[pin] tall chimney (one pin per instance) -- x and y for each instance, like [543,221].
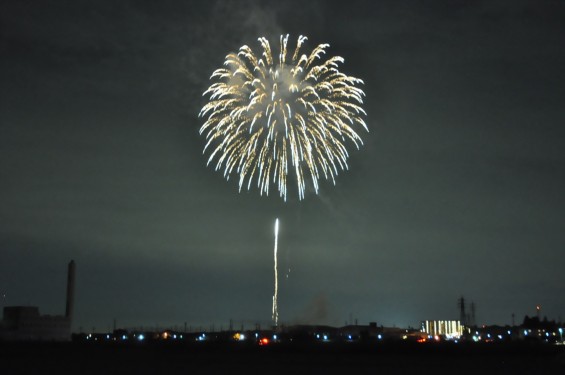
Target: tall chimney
[70,290]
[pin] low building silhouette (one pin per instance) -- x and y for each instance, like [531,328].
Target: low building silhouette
[25,323]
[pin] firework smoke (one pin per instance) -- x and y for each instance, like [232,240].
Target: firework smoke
[267,115]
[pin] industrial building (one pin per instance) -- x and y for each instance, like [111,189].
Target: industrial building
[443,328]
[24,323]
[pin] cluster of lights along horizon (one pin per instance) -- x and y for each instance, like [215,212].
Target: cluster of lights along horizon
[266,116]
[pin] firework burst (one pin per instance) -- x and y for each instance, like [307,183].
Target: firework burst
[266,116]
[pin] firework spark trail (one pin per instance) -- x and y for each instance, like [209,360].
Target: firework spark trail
[276,295]
[265,117]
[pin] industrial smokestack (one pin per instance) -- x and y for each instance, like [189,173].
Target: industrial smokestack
[70,290]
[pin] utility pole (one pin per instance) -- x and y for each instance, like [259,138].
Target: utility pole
[462,314]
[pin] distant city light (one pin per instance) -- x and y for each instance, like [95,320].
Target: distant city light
[450,329]
[141,337]
[379,337]
[202,337]
[239,336]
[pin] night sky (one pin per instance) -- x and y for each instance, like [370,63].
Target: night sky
[459,189]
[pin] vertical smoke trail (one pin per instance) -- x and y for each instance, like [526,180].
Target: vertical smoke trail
[276,295]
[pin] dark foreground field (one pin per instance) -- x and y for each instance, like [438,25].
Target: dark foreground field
[167,358]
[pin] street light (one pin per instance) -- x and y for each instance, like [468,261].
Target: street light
[561,333]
